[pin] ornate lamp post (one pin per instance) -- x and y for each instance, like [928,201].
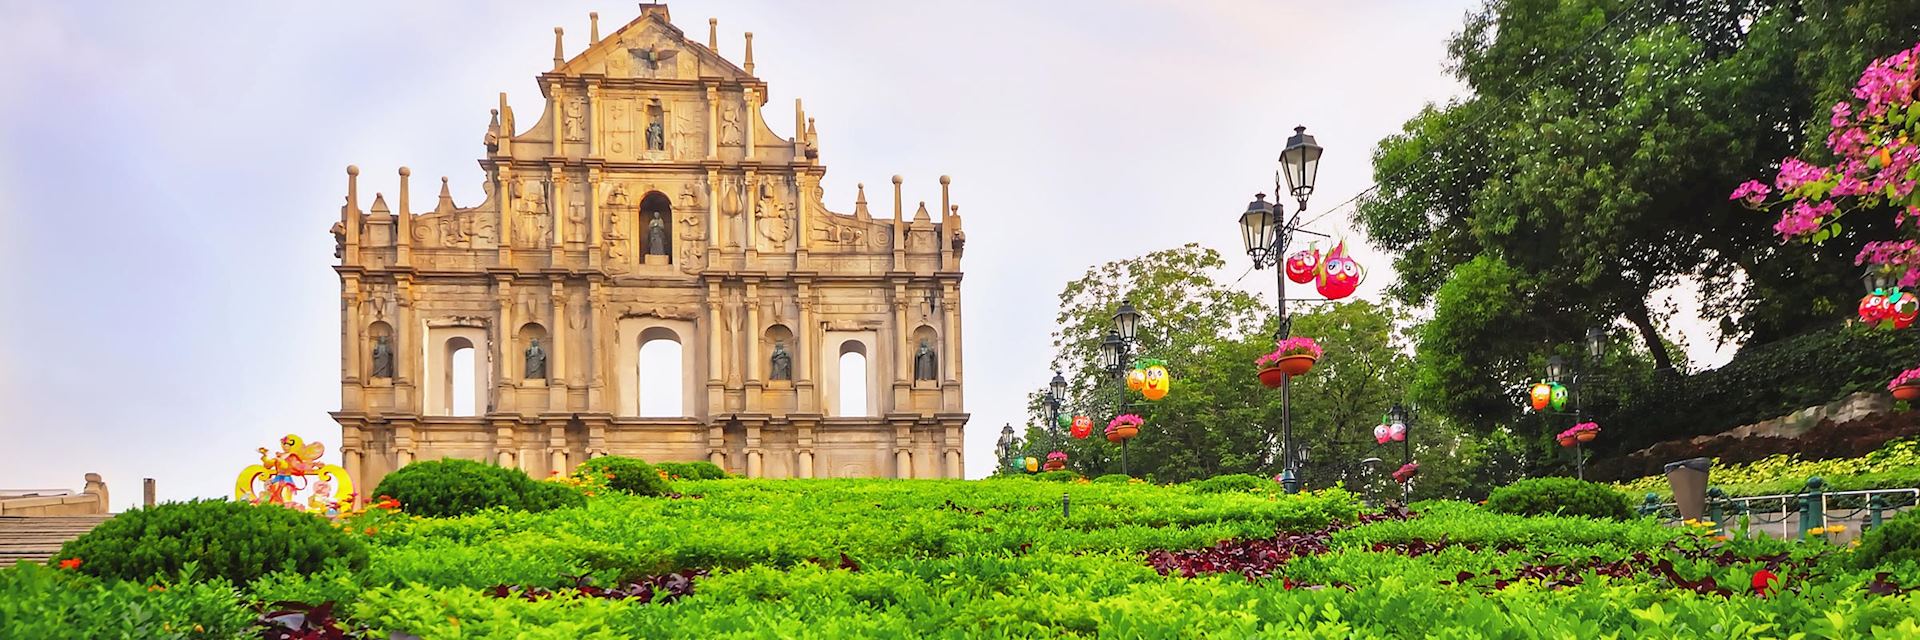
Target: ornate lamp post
[1402,418]
[1579,381]
[1266,237]
[1003,448]
[1056,397]
[1116,354]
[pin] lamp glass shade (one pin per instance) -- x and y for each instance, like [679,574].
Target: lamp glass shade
[1126,320]
[1300,162]
[1258,227]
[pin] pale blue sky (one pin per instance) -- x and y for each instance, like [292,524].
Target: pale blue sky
[168,172]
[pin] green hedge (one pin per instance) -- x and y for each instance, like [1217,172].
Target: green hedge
[1894,541]
[626,475]
[1762,382]
[233,540]
[1113,478]
[1231,483]
[701,470]
[1560,496]
[452,487]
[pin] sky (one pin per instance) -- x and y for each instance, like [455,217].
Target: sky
[168,173]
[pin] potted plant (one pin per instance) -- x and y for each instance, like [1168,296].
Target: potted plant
[1124,427]
[1583,432]
[1906,386]
[1056,461]
[1290,357]
[1405,472]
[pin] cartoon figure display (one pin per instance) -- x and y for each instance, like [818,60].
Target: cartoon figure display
[1303,264]
[282,475]
[1082,427]
[1158,382]
[1338,275]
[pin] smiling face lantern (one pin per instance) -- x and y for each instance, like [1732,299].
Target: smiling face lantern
[1541,395]
[1302,265]
[1338,275]
[1157,382]
[1136,379]
[1082,427]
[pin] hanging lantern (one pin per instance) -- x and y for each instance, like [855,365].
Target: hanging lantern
[1381,433]
[1559,400]
[1157,382]
[1902,309]
[1063,421]
[1136,379]
[1033,464]
[1541,396]
[1874,308]
[1302,265]
[1338,275]
[1082,427]
[1397,432]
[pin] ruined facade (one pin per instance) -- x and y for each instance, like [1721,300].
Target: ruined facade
[651,212]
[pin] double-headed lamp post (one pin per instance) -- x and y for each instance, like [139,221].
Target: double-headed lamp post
[1266,236]
[1116,354]
[1056,397]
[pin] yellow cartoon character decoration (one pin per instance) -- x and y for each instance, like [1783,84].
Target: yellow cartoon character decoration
[295,468]
[1155,382]
[1136,379]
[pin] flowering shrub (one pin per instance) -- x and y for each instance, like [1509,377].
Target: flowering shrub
[1057,456]
[1874,140]
[624,474]
[1910,376]
[1294,346]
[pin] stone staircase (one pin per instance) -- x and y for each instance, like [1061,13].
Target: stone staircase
[37,538]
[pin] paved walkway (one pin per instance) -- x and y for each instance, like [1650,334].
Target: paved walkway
[37,538]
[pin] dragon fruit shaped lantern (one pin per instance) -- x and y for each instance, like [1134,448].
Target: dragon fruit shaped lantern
[1338,275]
[1303,265]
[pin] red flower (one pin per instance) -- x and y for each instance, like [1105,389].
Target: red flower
[70,563]
[1764,581]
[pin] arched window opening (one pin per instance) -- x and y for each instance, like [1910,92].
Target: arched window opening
[853,379]
[661,376]
[460,378]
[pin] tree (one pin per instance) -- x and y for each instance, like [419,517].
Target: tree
[1589,168]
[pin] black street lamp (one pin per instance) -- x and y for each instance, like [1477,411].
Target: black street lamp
[1056,397]
[1267,231]
[1116,354]
[1003,448]
[1403,424]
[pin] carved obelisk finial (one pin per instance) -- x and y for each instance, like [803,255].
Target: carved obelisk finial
[353,188]
[749,64]
[404,173]
[860,203]
[799,122]
[713,34]
[899,229]
[446,197]
[593,28]
[559,54]
[403,246]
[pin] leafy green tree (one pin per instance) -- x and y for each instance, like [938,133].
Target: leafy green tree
[1589,167]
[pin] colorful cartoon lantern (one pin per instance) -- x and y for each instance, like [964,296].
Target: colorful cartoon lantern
[1541,396]
[1136,379]
[1397,432]
[1082,427]
[1902,309]
[1874,308]
[1158,383]
[281,476]
[1032,464]
[1063,421]
[1559,400]
[1302,265]
[1381,433]
[1338,275]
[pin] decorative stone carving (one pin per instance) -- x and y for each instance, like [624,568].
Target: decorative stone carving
[530,209]
[688,144]
[618,202]
[776,215]
[730,125]
[656,236]
[662,311]
[575,123]
[652,56]
[339,232]
[656,136]
[619,123]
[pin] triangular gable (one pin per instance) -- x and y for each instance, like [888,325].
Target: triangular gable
[649,47]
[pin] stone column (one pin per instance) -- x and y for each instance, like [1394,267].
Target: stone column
[806,464]
[557,448]
[805,341]
[753,120]
[713,208]
[593,215]
[506,376]
[350,390]
[751,334]
[505,193]
[749,216]
[902,352]
[713,123]
[559,380]
[554,101]
[407,347]
[593,122]
[556,217]
[953,469]
[716,368]
[356,469]
[599,331]
[902,463]
[753,463]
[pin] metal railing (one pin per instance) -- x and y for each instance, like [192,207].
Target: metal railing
[1721,509]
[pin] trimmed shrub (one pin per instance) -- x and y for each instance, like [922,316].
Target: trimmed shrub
[1113,478]
[1231,483]
[1560,496]
[1062,475]
[701,470]
[544,496]
[453,487]
[625,475]
[1894,541]
[232,540]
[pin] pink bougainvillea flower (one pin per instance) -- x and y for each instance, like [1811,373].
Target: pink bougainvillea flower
[1795,172]
[1753,192]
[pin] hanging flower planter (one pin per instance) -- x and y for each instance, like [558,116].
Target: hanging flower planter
[1583,432]
[1906,386]
[1124,427]
[1056,461]
[1405,472]
[1291,357]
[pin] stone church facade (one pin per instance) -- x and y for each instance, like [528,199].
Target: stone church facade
[651,221]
